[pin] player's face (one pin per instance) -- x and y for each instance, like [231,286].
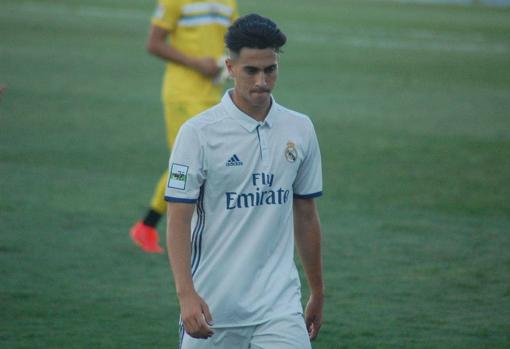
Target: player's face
[254,72]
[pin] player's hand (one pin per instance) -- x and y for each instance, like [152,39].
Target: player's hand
[206,66]
[313,315]
[195,316]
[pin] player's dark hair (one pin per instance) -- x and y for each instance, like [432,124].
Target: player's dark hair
[254,31]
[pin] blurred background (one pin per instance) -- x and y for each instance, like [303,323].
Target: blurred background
[411,102]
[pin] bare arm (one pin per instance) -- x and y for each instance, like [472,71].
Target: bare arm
[158,46]
[195,313]
[307,233]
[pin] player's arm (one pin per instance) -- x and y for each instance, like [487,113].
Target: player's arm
[157,44]
[195,313]
[307,233]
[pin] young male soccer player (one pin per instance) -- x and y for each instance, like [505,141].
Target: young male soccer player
[189,36]
[241,189]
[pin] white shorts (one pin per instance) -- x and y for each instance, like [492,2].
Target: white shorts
[288,332]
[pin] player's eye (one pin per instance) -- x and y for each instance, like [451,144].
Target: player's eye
[270,70]
[251,70]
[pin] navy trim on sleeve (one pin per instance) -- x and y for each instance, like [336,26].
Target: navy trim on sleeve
[174,199]
[308,196]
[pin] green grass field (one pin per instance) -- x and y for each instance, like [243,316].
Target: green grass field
[412,107]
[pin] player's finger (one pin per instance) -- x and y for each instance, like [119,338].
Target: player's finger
[205,331]
[313,329]
[197,328]
[309,327]
[197,322]
[191,326]
[312,333]
[207,314]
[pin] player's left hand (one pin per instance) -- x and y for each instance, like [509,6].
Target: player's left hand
[313,315]
[195,315]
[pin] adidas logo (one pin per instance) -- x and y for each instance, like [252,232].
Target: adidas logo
[234,161]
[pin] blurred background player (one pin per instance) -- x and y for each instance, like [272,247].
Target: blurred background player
[189,37]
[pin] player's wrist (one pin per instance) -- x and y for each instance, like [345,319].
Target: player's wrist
[317,292]
[192,62]
[185,291]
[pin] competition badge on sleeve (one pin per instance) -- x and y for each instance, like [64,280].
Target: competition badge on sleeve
[177,177]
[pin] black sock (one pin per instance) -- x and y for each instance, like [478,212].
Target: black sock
[152,218]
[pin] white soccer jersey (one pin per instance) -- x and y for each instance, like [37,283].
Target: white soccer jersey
[243,175]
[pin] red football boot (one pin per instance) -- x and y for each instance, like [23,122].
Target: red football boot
[146,237]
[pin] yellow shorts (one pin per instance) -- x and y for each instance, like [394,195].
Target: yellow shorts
[178,112]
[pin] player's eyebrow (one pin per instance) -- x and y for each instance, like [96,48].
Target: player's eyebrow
[254,69]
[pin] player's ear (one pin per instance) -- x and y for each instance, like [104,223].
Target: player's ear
[230,64]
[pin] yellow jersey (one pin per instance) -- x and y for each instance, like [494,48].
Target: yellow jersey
[196,28]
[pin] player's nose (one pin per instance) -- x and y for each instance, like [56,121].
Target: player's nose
[261,80]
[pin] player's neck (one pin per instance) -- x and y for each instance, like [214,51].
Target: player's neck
[258,113]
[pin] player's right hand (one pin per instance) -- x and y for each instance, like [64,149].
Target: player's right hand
[207,66]
[313,315]
[195,316]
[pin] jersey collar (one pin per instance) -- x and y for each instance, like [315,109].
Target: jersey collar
[246,121]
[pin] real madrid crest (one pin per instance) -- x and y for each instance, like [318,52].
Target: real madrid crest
[291,152]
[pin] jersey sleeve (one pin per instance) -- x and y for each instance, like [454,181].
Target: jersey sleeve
[308,183]
[186,172]
[167,14]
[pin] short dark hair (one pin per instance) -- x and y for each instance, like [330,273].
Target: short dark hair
[254,31]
